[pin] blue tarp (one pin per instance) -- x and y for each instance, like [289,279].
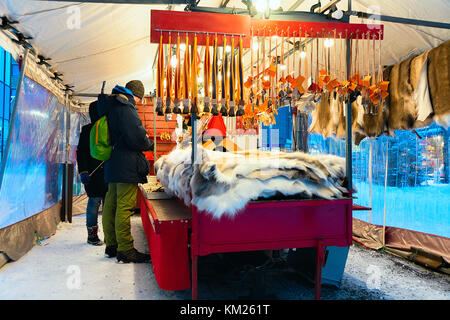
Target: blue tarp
[32,180]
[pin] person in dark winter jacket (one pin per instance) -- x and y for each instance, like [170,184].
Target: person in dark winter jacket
[92,177]
[126,168]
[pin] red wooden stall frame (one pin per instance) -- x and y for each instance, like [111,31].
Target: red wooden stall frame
[316,29]
[273,225]
[168,245]
[164,22]
[200,24]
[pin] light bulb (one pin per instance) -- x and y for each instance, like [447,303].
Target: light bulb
[255,46]
[328,43]
[302,54]
[282,67]
[338,14]
[228,49]
[173,61]
[274,4]
[266,78]
[182,47]
[200,79]
[261,5]
[274,37]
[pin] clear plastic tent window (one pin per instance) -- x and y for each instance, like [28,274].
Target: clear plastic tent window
[32,180]
[417,193]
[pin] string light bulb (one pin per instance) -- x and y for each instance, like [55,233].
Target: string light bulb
[302,55]
[274,4]
[173,61]
[328,43]
[261,5]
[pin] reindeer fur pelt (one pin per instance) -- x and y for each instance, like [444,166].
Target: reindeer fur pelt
[321,116]
[223,183]
[402,109]
[328,117]
[439,82]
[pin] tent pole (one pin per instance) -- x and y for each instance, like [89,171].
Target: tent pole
[348,122]
[12,118]
[370,179]
[415,22]
[194,136]
[154,130]
[385,190]
[66,172]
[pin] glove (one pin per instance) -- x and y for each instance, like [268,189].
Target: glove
[84,178]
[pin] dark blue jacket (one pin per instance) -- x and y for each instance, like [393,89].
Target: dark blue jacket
[127,136]
[96,187]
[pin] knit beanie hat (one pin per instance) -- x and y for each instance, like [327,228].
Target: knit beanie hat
[137,87]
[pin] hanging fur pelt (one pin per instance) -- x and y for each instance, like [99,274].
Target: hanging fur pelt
[439,82]
[402,108]
[223,183]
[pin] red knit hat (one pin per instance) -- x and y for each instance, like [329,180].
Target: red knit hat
[216,127]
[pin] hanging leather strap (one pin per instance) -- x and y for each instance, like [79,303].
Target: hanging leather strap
[160,70]
[169,72]
[206,69]
[224,71]
[194,73]
[178,71]
[241,71]
[214,71]
[186,71]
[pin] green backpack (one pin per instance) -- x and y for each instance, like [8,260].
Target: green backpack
[99,140]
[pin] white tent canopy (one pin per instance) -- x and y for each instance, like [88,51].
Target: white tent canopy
[112,41]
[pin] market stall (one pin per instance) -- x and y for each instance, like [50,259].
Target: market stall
[354,80]
[252,200]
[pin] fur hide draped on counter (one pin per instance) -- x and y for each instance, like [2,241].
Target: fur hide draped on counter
[223,183]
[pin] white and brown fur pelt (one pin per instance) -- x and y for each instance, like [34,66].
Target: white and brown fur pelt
[403,108]
[321,116]
[327,117]
[439,82]
[223,183]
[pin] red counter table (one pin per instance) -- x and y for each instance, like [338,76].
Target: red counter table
[262,225]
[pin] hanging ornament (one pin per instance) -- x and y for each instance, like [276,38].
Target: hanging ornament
[298,82]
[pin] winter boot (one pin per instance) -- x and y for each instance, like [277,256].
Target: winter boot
[132,255]
[93,237]
[111,251]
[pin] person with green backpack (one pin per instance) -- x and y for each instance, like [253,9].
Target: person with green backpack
[92,177]
[118,138]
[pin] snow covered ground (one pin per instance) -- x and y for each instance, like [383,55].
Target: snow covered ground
[66,267]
